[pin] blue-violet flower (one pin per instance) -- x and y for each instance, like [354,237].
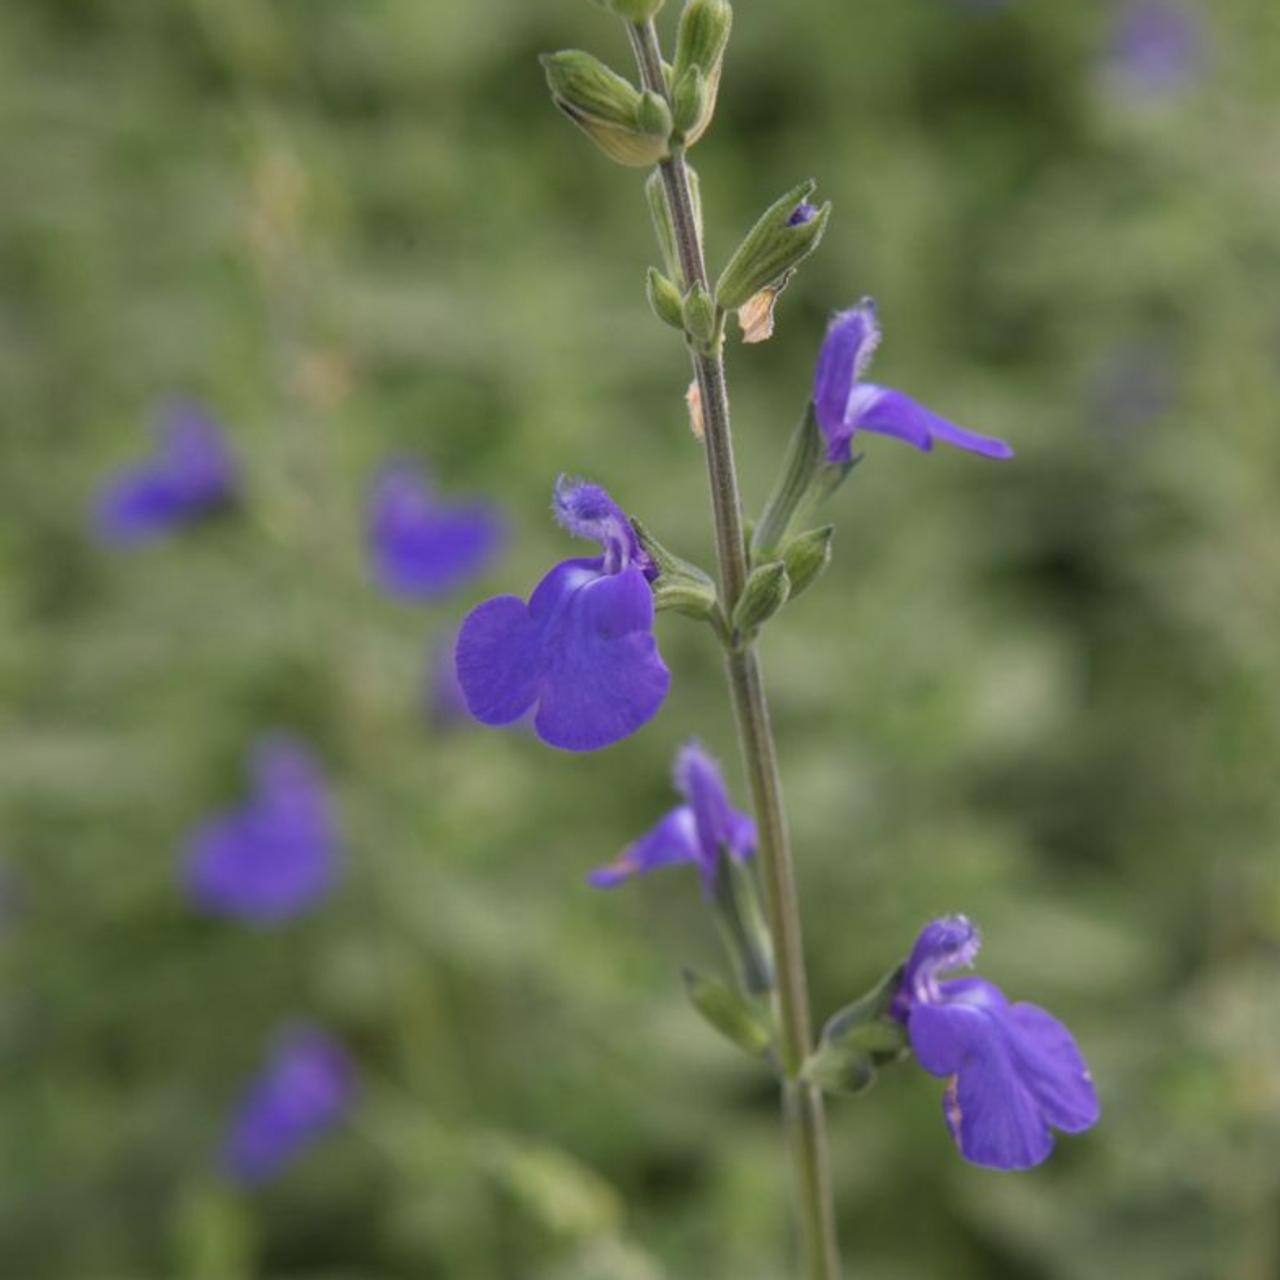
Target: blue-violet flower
[703,830]
[422,548]
[844,404]
[190,475]
[582,650]
[278,854]
[1014,1072]
[1157,48]
[306,1088]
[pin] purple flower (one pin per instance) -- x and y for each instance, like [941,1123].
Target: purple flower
[703,830]
[1157,48]
[844,404]
[307,1087]
[582,650]
[1014,1073]
[190,475]
[804,212]
[275,856]
[422,548]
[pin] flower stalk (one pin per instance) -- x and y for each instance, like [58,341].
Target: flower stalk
[802,1101]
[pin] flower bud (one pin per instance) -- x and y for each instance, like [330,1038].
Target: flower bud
[632,10]
[734,1016]
[664,298]
[775,246]
[653,115]
[679,586]
[700,316]
[766,592]
[807,556]
[704,34]
[621,121]
[690,101]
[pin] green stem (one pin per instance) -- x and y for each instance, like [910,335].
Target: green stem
[802,1104]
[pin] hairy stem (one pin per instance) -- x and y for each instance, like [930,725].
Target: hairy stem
[803,1107]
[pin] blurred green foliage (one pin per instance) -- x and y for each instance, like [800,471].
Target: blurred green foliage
[1045,693]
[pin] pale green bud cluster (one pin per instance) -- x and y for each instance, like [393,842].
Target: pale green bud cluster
[695,75]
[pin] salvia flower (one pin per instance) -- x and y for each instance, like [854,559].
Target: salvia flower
[844,404]
[306,1089]
[276,855]
[1013,1072]
[581,652]
[703,830]
[1157,48]
[422,548]
[191,474]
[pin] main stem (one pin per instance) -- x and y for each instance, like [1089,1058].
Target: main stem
[802,1103]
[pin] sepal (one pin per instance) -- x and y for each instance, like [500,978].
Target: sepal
[690,102]
[733,1015]
[610,110]
[664,298]
[735,902]
[701,320]
[680,586]
[767,590]
[776,245]
[858,1040]
[807,556]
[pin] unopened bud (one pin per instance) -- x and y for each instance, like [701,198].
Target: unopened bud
[664,298]
[789,230]
[766,592]
[700,316]
[632,10]
[704,34]
[689,101]
[653,115]
[807,556]
[607,108]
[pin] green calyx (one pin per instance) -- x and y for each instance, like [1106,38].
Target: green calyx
[630,127]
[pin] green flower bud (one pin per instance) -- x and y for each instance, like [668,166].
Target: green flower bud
[653,115]
[766,592]
[607,108]
[664,298]
[787,233]
[704,34]
[690,103]
[732,1015]
[700,316]
[807,556]
[632,10]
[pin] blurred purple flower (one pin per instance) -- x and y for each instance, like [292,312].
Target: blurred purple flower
[844,404]
[1157,48]
[275,856]
[1013,1071]
[191,474]
[582,650]
[422,548]
[306,1088]
[703,830]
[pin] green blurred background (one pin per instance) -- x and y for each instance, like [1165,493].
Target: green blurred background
[1045,693]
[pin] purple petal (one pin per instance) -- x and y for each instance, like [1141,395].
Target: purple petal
[673,840]
[277,855]
[191,475]
[582,650]
[993,1116]
[891,413]
[604,676]
[1050,1064]
[851,340]
[306,1088]
[422,548]
[951,942]
[587,511]
[699,780]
